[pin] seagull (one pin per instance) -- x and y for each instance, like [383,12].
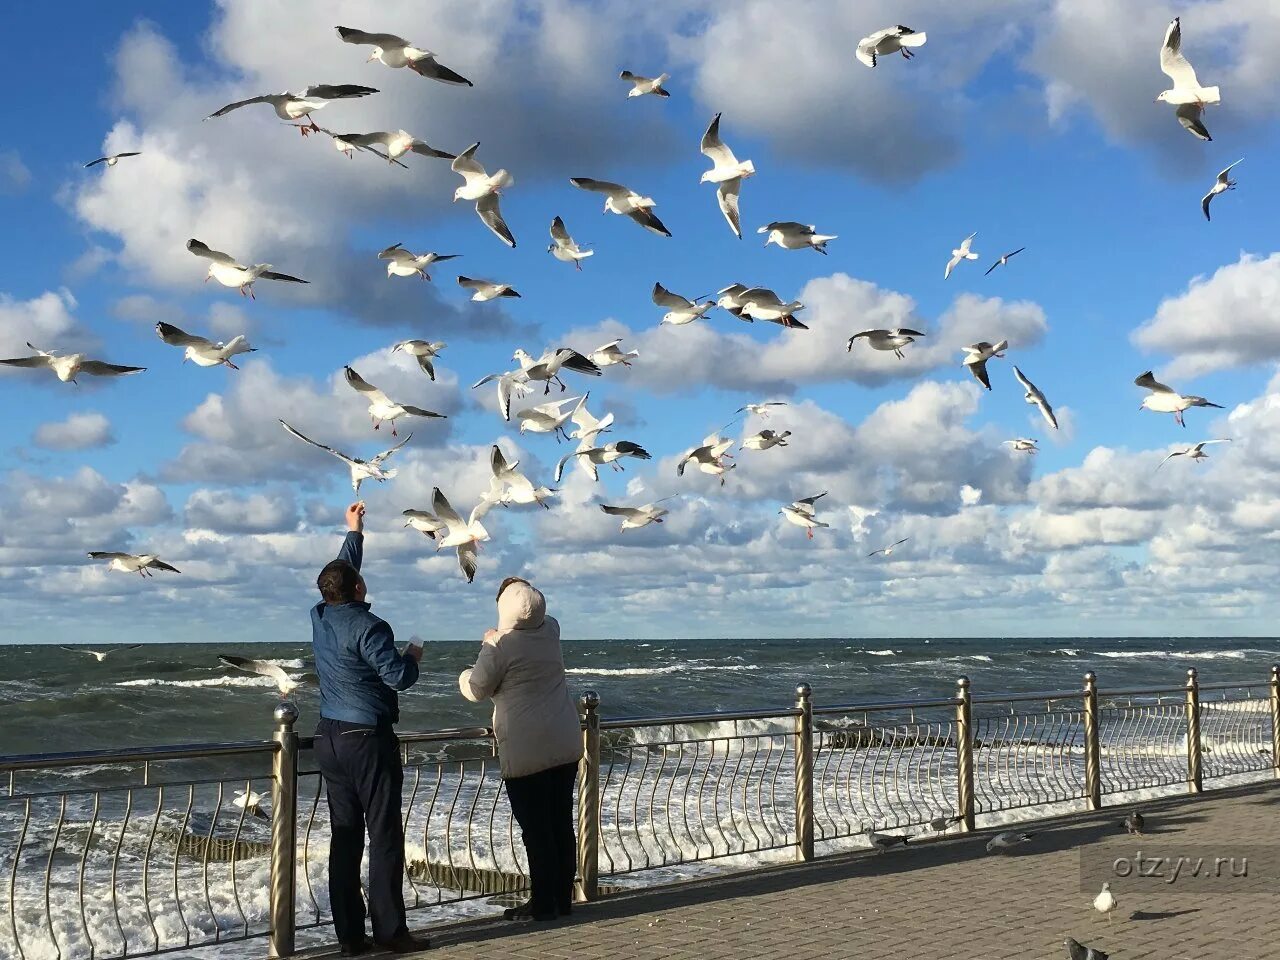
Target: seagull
[727,174]
[466,535]
[883,841]
[679,310]
[1221,185]
[402,263]
[730,298]
[1078,951]
[1023,445]
[761,410]
[396,142]
[547,367]
[477,181]
[424,522]
[1194,452]
[1003,842]
[112,160]
[888,551]
[977,355]
[633,518]
[893,340]
[610,354]
[361,470]
[510,486]
[382,407]
[201,351]
[761,303]
[564,247]
[625,202]
[423,351]
[250,801]
[790,235]
[1164,399]
[485,290]
[141,564]
[229,273]
[1133,824]
[348,143]
[588,426]
[547,417]
[285,682]
[803,513]
[644,85]
[1186,88]
[512,383]
[590,458]
[66,367]
[940,824]
[709,457]
[100,655]
[1034,396]
[1001,261]
[1105,901]
[295,106]
[891,40]
[394,51]
[961,253]
[765,440]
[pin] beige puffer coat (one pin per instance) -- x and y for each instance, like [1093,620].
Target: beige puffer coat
[534,717]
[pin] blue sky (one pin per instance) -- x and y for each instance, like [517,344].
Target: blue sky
[1007,123]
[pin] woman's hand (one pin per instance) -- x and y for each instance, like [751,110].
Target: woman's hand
[490,636]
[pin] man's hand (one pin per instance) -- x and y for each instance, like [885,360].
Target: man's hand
[355,517]
[414,652]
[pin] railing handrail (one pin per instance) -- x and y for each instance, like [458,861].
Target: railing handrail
[186,751]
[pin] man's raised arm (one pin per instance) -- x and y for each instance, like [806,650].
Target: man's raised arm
[353,545]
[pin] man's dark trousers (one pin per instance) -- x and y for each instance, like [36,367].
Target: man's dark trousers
[542,804]
[362,771]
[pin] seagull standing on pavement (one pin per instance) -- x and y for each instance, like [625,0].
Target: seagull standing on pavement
[1004,842]
[1034,396]
[397,52]
[424,351]
[882,43]
[1105,902]
[66,367]
[727,174]
[880,842]
[962,252]
[1002,260]
[640,86]
[1221,185]
[403,263]
[201,351]
[977,355]
[1164,399]
[1133,824]
[224,268]
[1194,452]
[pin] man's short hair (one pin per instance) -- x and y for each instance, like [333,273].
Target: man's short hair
[338,581]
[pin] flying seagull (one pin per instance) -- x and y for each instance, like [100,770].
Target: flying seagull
[424,522]
[679,309]
[424,351]
[513,383]
[586,425]
[250,801]
[889,340]
[1004,842]
[115,158]
[888,551]
[382,407]
[804,513]
[765,440]
[645,85]
[295,106]
[977,355]
[361,470]
[1194,452]
[761,410]
[483,291]
[790,235]
[397,52]
[100,655]
[625,202]
[141,564]
[1078,951]
[564,248]
[761,303]
[963,252]
[891,40]
[548,366]
[547,417]
[464,535]
[1221,185]
[404,263]
[1163,399]
[610,354]
[731,299]
[727,174]
[1186,94]
[1034,396]
[633,518]
[224,268]
[1001,261]
[66,367]
[202,351]
[477,181]
[1023,445]
[591,458]
[710,456]
[396,142]
[285,682]
[509,485]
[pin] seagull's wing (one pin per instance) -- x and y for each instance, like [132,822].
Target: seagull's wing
[467,166]
[1148,381]
[665,298]
[979,370]
[559,232]
[433,69]
[422,148]
[363,386]
[646,218]
[1222,175]
[443,509]
[573,360]
[1206,442]
[629,449]
[99,368]
[967,242]
[1204,203]
[177,337]
[260,667]
[94,163]
[272,275]
[339,91]
[1046,410]
[1027,384]
[491,214]
[727,196]
[600,186]
[995,264]
[108,555]
[390,450]
[900,542]
[1190,116]
[37,361]
[161,565]
[341,456]
[1176,453]
[714,148]
[384,40]
[498,463]
[201,249]
[571,456]
[907,332]
[422,412]
[866,52]
[395,252]
[1013,254]
[951,265]
[1172,63]
[467,560]
[810,501]
[631,513]
[266,98]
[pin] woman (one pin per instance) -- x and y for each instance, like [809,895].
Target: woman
[539,740]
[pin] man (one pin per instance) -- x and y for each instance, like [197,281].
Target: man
[357,750]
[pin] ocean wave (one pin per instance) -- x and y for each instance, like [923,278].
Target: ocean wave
[207,682]
[879,653]
[656,671]
[1173,654]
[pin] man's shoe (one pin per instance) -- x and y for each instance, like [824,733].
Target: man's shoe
[357,948]
[406,943]
[525,912]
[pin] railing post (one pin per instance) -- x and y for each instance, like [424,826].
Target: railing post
[284,830]
[964,753]
[1194,769]
[804,772]
[1275,720]
[1092,744]
[589,799]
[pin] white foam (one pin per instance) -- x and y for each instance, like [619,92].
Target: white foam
[1173,655]
[245,681]
[658,671]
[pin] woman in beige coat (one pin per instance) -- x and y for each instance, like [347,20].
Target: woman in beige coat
[539,740]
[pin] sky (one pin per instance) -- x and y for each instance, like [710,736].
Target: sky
[1033,124]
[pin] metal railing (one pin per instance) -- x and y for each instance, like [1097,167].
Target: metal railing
[142,852]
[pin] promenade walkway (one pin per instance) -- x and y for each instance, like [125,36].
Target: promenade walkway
[945,899]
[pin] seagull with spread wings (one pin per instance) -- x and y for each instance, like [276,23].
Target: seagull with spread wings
[977,355]
[624,202]
[609,354]
[66,367]
[727,173]
[1188,97]
[1001,261]
[587,425]
[361,470]
[393,51]
[548,366]
[404,263]
[591,458]
[888,551]
[1164,399]
[202,351]
[114,158]
[424,351]
[285,681]
[710,456]
[633,518]
[99,655]
[141,564]
[761,410]
[483,291]
[396,143]
[804,513]
[962,252]
[891,40]
[424,522]
[547,417]
[465,535]
[887,340]
[640,86]
[508,485]
[484,189]
[1194,452]
[680,310]
[381,407]
[564,248]
[297,106]
[1221,185]
[1035,396]
[790,235]
[224,268]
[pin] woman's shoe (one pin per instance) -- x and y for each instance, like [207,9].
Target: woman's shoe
[525,912]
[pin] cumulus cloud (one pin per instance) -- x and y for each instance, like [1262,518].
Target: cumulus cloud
[14,175]
[79,431]
[226,512]
[47,321]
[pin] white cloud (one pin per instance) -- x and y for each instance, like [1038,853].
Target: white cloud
[14,175]
[79,431]
[226,512]
[46,320]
